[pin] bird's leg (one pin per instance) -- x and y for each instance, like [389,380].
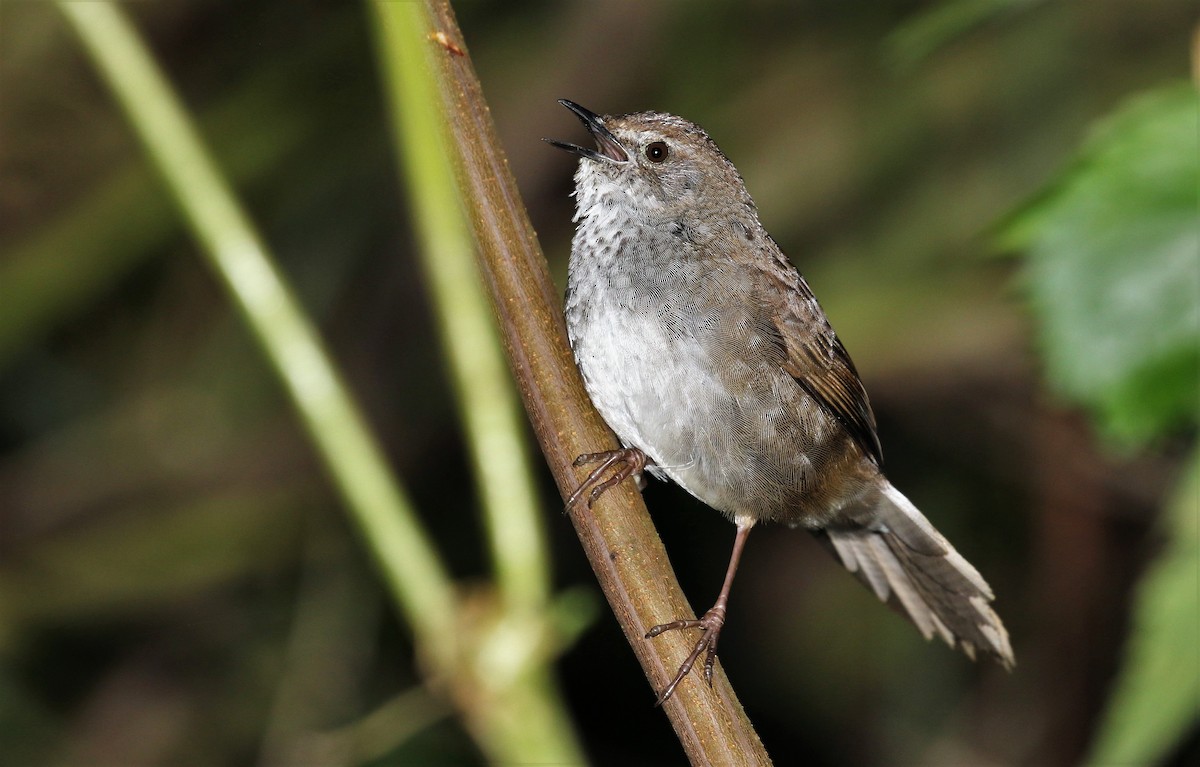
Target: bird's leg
[712,622]
[627,461]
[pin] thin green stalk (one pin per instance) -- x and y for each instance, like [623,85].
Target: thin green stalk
[521,716]
[488,402]
[378,505]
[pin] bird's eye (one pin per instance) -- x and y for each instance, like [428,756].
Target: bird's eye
[657,151]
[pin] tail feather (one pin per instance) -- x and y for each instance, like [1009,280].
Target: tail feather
[899,555]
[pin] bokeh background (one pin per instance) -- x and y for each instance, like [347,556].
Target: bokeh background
[179,583]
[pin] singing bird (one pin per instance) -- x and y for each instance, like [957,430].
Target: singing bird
[706,352]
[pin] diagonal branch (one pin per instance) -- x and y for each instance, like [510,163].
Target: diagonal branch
[618,537]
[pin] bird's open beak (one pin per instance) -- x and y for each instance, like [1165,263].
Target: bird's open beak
[610,150]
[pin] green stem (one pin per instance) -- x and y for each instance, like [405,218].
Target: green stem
[378,505]
[488,403]
[522,717]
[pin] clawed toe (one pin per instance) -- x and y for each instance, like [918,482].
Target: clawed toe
[622,463]
[712,623]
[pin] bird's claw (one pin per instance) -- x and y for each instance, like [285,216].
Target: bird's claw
[712,623]
[623,463]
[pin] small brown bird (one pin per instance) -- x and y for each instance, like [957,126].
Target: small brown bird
[708,355]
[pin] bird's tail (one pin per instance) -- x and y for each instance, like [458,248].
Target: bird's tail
[896,552]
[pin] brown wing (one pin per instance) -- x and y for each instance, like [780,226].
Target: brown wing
[820,364]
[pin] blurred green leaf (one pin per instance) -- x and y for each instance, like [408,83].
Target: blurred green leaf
[1157,696]
[1113,274]
[1113,268]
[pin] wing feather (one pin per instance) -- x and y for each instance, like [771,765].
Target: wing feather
[820,364]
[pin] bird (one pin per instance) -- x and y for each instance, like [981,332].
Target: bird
[704,349]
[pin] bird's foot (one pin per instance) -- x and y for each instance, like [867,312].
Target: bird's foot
[622,463]
[712,623]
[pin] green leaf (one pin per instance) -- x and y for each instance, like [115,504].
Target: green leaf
[1156,700]
[1113,268]
[1113,276]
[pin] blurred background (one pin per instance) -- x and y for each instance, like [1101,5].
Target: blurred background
[179,583]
